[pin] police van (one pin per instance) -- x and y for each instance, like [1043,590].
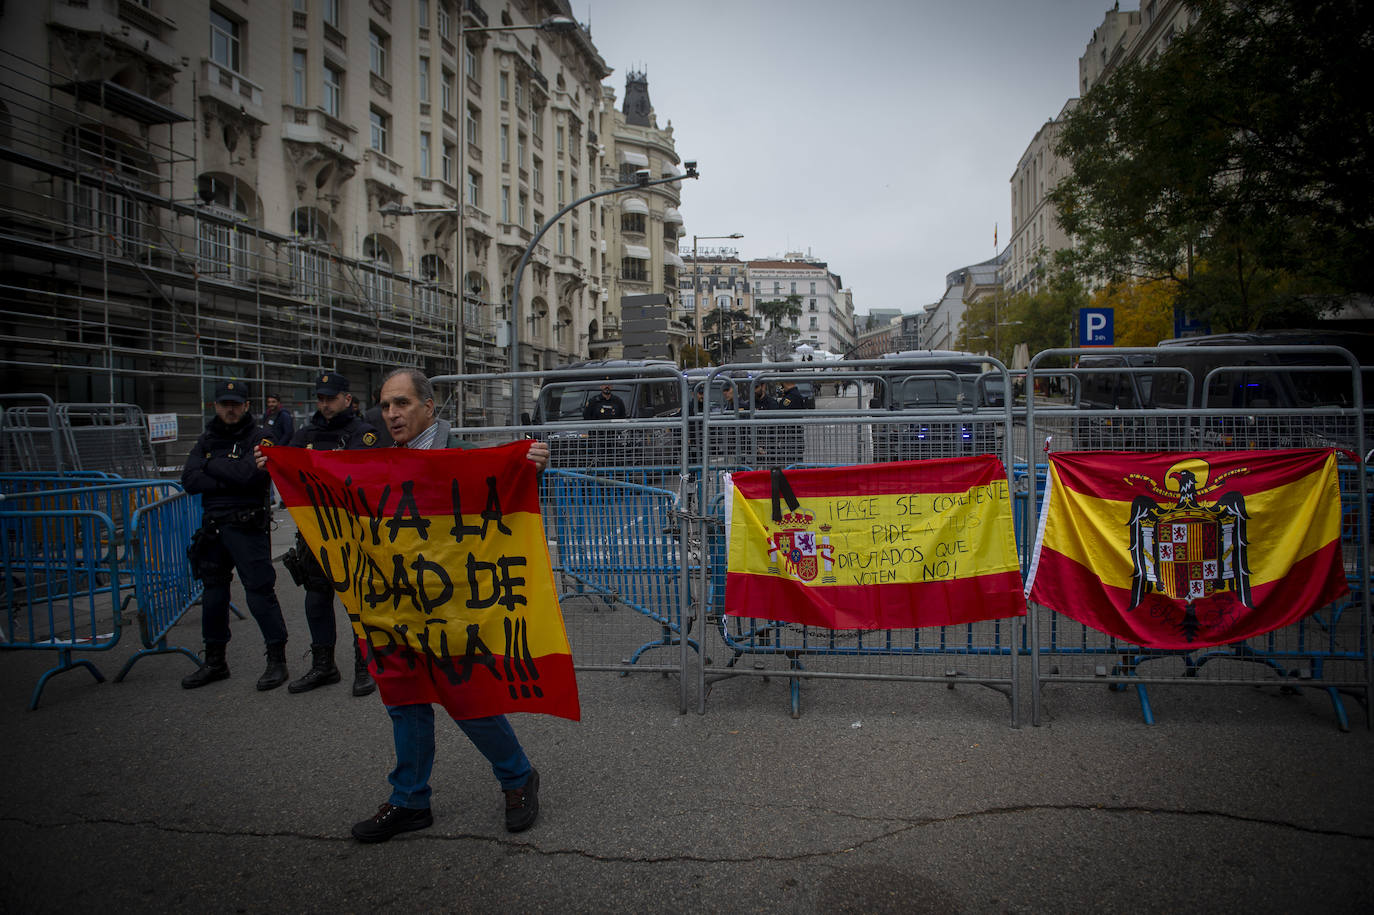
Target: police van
[651,389]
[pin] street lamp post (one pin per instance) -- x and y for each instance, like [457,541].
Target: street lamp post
[642,181]
[696,283]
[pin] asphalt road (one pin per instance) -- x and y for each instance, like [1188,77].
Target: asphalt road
[882,797]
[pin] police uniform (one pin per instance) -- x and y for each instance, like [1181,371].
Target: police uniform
[345,430]
[233,536]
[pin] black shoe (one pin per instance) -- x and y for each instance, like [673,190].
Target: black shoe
[390,820]
[275,674]
[363,684]
[214,668]
[522,804]
[322,671]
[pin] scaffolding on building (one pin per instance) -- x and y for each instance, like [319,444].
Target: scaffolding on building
[130,277]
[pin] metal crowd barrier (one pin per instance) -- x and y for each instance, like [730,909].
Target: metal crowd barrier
[75,555]
[62,586]
[1328,650]
[845,430]
[164,588]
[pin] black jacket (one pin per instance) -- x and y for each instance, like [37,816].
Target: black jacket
[222,469]
[345,431]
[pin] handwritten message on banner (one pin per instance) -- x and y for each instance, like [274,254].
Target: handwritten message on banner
[441,561]
[886,546]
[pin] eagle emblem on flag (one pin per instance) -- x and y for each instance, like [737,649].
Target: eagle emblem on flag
[1186,546]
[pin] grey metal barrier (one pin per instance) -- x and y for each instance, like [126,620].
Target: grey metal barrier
[1219,399]
[31,438]
[861,412]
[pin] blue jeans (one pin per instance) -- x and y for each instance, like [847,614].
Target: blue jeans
[412,727]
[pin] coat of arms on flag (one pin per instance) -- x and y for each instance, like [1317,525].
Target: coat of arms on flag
[1189,550]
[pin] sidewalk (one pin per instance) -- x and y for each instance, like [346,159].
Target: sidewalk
[882,797]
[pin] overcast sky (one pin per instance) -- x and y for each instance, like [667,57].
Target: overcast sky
[877,135]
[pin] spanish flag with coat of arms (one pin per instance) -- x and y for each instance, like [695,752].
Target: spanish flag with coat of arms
[1175,550]
[885,546]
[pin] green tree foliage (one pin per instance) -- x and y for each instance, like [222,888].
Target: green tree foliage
[1143,310]
[995,324]
[778,313]
[690,357]
[1237,164]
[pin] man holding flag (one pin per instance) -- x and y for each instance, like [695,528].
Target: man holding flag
[407,404]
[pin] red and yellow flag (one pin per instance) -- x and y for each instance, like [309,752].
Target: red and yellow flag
[883,546]
[441,561]
[1189,550]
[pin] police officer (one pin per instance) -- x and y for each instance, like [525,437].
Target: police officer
[335,426]
[792,438]
[606,405]
[233,536]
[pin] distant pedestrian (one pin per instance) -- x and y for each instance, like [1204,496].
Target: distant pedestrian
[233,536]
[281,426]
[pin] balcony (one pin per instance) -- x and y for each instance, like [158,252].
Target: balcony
[232,90]
[133,28]
[314,127]
[383,170]
[472,10]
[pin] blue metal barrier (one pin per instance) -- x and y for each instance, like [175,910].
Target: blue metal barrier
[62,586]
[620,542]
[164,588]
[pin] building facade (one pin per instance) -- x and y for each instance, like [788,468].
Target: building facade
[717,280]
[827,316]
[641,228]
[195,191]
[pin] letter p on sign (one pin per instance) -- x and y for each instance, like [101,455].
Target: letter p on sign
[1095,327]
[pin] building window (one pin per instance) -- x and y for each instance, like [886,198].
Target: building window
[520,149]
[424,79]
[446,91]
[562,239]
[505,143]
[558,137]
[537,124]
[523,209]
[505,203]
[794,287]
[225,40]
[813,305]
[333,12]
[298,78]
[377,45]
[632,222]
[503,85]
[381,128]
[537,174]
[470,64]
[445,21]
[813,288]
[377,274]
[475,189]
[777,287]
[519,92]
[333,90]
[422,13]
[448,163]
[424,154]
[633,269]
[473,127]
[559,192]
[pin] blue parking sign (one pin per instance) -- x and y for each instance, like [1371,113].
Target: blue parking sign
[1095,327]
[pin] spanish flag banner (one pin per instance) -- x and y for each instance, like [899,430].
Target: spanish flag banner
[1174,550]
[441,561]
[883,546]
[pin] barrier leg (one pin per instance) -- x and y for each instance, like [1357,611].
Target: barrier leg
[1342,720]
[1146,712]
[66,664]
[160,648]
